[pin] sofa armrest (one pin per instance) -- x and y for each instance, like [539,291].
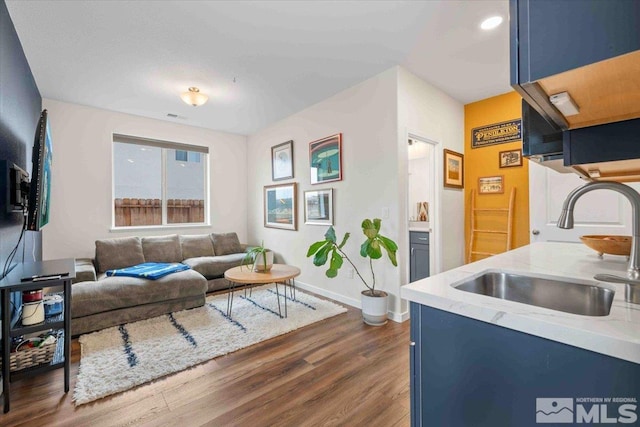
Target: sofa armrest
[85,270]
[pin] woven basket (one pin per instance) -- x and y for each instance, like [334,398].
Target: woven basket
[31,357]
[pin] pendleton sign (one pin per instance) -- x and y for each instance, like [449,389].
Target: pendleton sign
[498,133]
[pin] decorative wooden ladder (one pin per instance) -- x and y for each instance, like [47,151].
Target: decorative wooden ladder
[498,211]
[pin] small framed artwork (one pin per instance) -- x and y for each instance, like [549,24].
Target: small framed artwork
[453,169]
[318,207]
[325,159]
[491,184]
[510,158]
[281,206]
[282,161]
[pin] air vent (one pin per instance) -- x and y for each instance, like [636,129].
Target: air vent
[175,116]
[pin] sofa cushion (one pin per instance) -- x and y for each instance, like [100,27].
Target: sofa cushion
[118,253]
[112,293]
[212,267]
[196,245]
[226,243]
[85,270]
[161,249]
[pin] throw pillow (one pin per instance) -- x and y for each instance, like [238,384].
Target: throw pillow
[226,243]
[194,246]
[118,253]
[161,249]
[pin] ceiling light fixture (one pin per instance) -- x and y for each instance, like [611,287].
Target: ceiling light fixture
[194,97]
[491,23]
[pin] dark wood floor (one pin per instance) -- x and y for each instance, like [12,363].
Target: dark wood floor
[336,372]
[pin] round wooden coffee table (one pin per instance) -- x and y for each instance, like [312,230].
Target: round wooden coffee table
[279,274]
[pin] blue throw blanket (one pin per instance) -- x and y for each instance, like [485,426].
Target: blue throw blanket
[148,270]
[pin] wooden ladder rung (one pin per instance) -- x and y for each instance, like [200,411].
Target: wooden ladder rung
[490,209]
[483,253]
[490,231]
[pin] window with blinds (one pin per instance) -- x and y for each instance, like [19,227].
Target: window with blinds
[158,183]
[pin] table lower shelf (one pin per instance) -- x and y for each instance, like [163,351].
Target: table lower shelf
[56,362]
[54,322]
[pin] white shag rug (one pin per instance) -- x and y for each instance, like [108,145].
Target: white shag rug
[119,358]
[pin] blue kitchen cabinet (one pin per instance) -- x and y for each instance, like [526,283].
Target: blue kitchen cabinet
[591,50]
[466,372]
[419,250]
[550,37]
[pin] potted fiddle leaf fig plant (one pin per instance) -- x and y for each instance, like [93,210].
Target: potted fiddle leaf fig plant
[259,257]
[374,302]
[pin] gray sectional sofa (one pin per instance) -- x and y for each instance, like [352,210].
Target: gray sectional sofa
[98,301]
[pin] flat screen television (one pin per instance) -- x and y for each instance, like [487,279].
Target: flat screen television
[40,186]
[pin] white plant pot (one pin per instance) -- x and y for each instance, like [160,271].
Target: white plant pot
[374,309]
[258,264]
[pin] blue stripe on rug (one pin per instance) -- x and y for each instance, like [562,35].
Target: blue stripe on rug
[187,336]
[260,306]
[132,359]
[238,324]
[294,300]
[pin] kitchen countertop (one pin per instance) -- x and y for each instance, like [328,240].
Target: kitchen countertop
[419,226]
[617,334]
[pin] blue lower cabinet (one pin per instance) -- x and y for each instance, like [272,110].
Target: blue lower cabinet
[419,251]
[465,372]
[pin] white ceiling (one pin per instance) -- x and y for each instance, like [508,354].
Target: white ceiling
[137,56]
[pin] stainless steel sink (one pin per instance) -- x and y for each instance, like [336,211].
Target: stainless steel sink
[575,298]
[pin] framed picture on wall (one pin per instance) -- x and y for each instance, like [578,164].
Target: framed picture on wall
[510,158]
[282,161]
[491,184]
[453,169]
[318,207]
[325,159]
[281,206]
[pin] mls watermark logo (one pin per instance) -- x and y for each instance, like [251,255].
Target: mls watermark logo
[554,410]
[585,410]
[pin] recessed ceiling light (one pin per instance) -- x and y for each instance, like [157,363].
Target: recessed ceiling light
[491,23]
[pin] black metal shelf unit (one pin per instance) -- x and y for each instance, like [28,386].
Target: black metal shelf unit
[62,273]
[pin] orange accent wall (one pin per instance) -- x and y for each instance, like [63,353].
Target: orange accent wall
[484,161]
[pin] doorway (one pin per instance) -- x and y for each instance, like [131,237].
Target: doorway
[598,212]
[423,200]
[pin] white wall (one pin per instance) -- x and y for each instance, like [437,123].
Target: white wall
[427,111]
[366,115]
[81,199]
[374,118]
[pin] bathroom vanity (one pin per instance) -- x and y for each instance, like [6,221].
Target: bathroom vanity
[419,254]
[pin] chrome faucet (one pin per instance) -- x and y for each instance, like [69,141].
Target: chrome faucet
[633,270]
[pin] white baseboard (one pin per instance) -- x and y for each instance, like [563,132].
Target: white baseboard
[399,317]
[325,293]
[396,317]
